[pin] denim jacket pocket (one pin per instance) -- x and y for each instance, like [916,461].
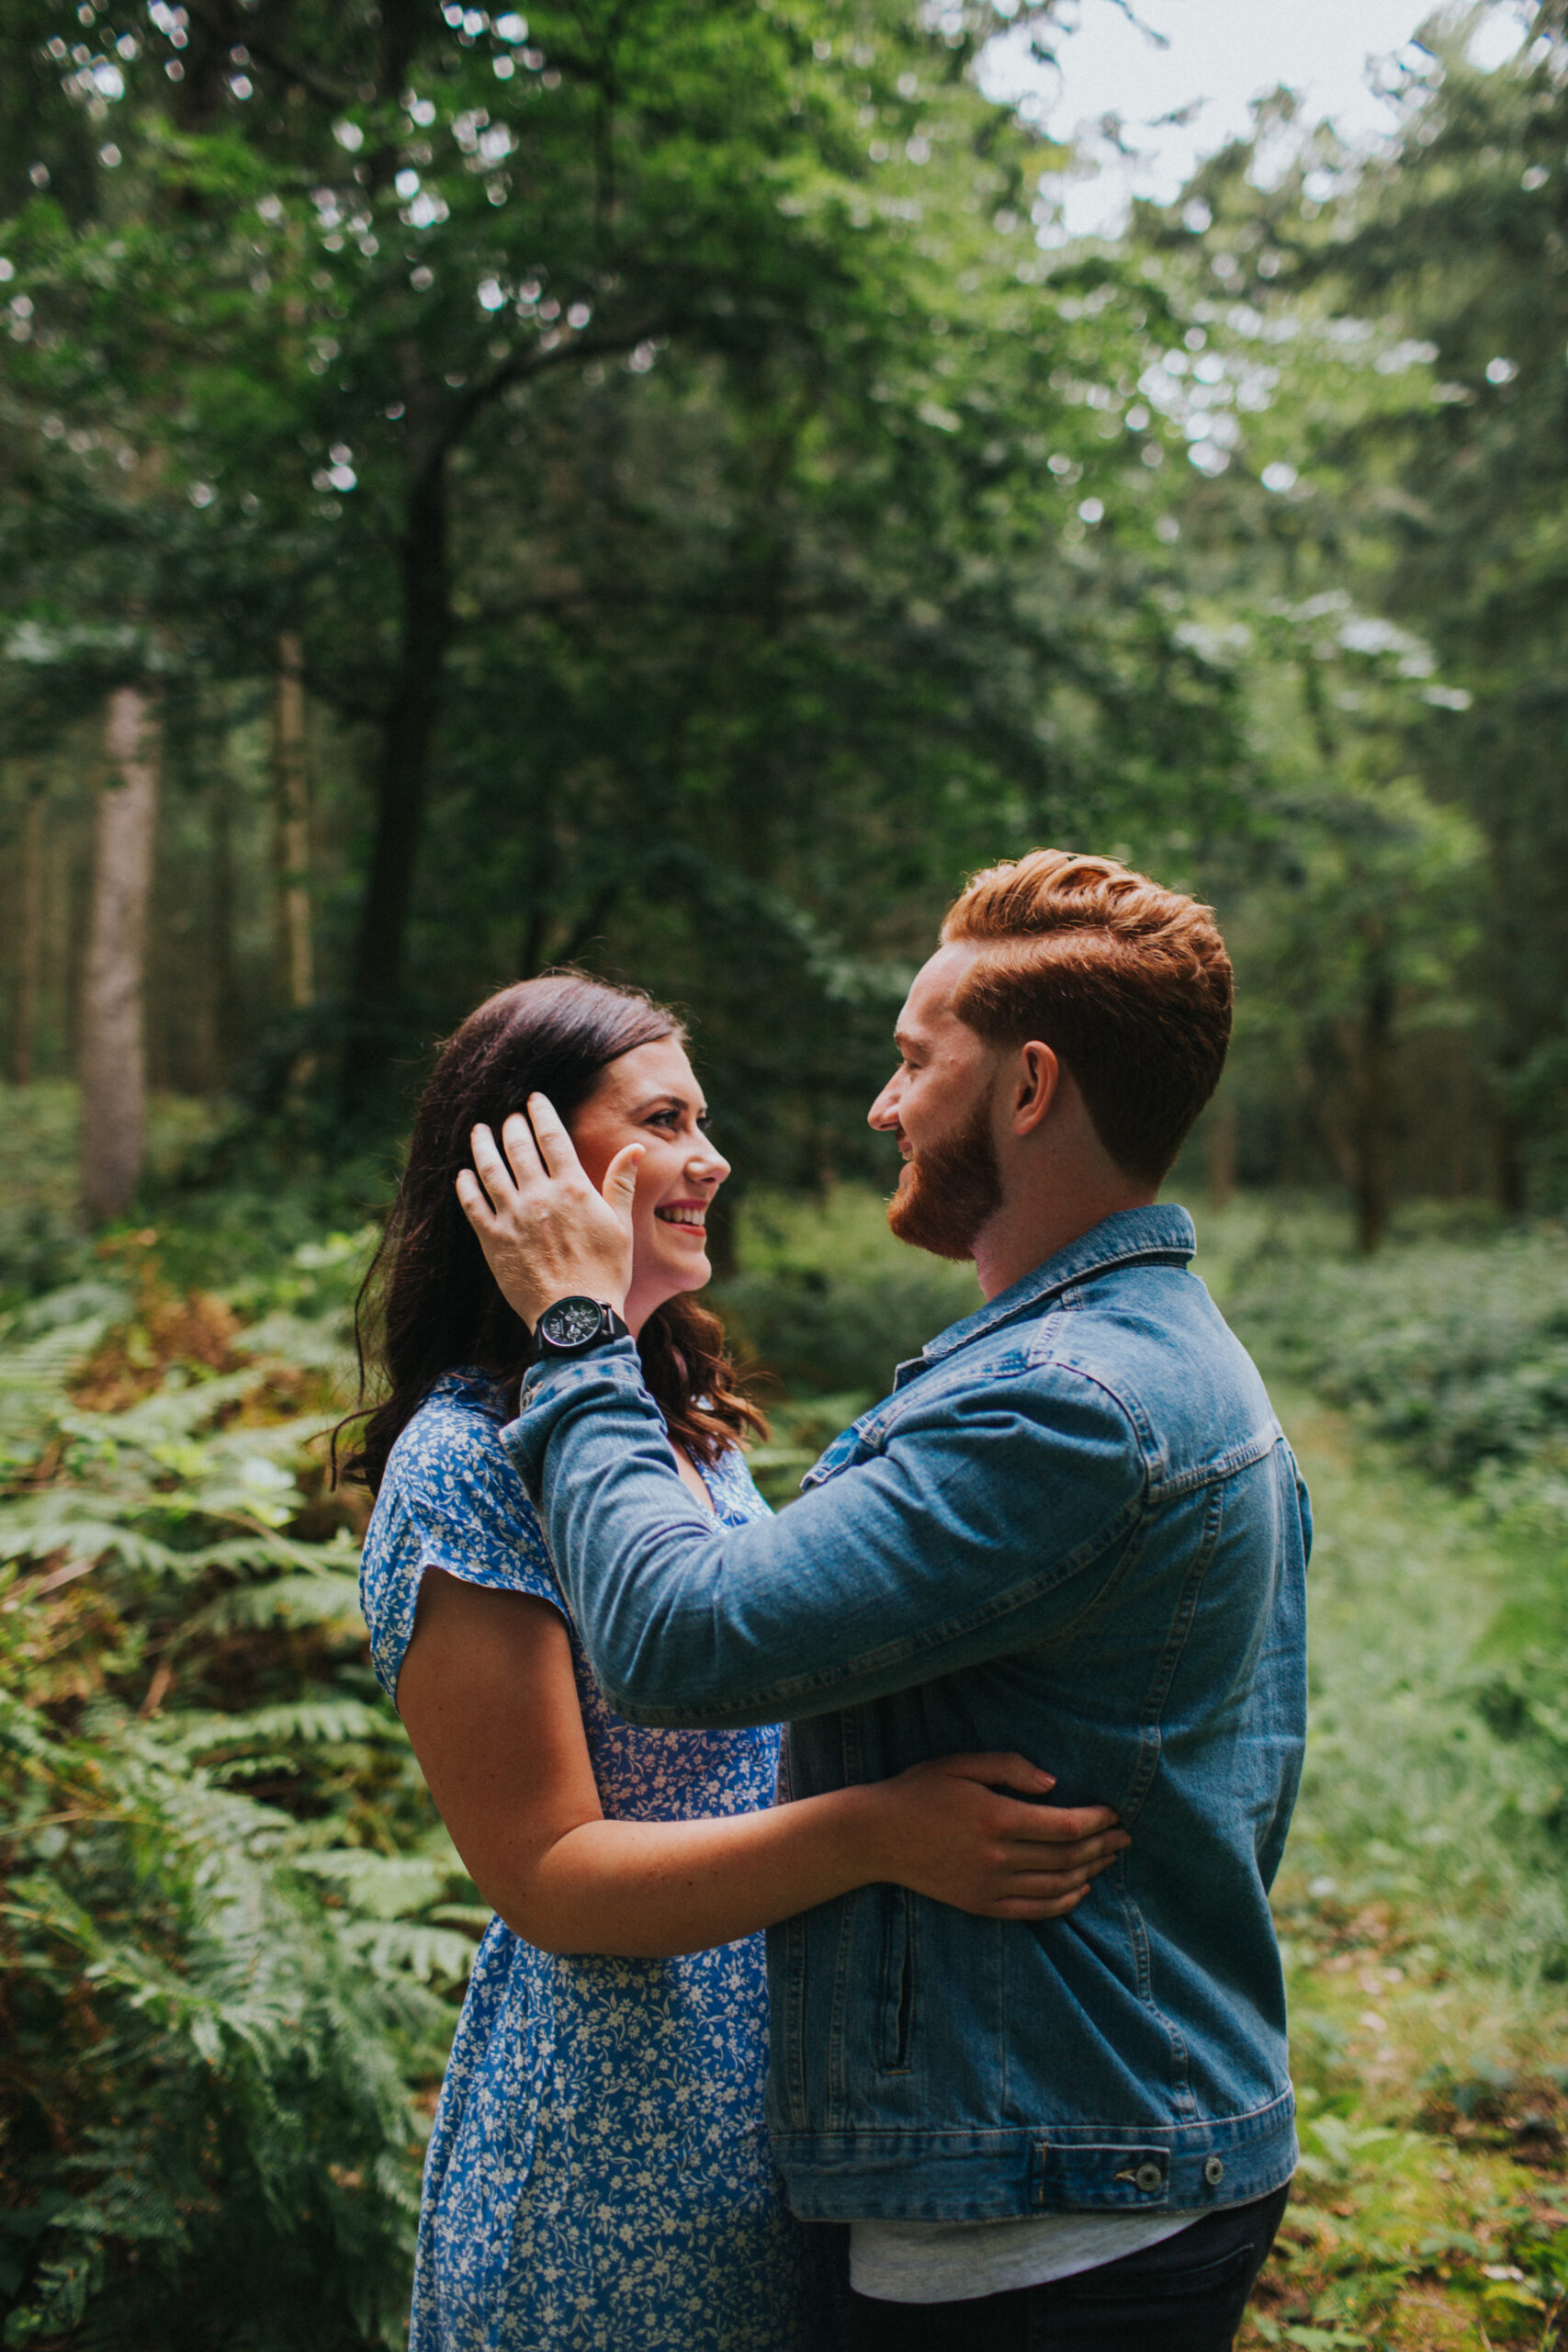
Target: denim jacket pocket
[897,1983]
[853,1444]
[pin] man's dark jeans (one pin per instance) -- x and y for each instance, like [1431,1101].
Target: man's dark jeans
[1186,2294]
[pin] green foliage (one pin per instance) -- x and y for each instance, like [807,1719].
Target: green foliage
[680,398]
[1381,431]
[829,1302]
[1453,1347]
[232,1930]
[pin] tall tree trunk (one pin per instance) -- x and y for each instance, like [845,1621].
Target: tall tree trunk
[29,945]
[1510,1187]
[113,1066]
[1373,1089]
[402,772]
[292,788]
[220,937]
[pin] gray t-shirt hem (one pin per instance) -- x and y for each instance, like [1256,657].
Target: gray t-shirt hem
[957,2262]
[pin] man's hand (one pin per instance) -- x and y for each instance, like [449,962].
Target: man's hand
[546,1232]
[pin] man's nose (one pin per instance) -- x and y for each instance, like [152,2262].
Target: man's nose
[883,1113]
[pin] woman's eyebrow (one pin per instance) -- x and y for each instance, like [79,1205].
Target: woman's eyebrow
[668,1101]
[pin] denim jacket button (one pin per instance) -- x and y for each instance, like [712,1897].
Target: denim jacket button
[1149,2178]
[1213,2171]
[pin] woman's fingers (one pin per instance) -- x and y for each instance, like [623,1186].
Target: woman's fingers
[1037,1882]
[1021,1890]
[1034,1854]
[994,1770]
[1014,1908]
[1052,1825]
[1046,1894]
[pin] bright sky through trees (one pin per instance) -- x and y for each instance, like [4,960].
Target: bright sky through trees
[1181,100]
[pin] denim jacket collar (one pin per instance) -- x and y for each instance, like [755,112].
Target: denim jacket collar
[1129,1236]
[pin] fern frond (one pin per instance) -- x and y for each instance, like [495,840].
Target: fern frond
[378,1886]
[328,1600]
[227,2003]
[176,1409]
[333,1722]
[431,1954]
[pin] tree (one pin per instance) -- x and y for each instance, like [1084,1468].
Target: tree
[292,787]
[113,1048]
[763,493]
[1402,315]
[29,934]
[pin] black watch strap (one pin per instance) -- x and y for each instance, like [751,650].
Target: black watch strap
[575,1327]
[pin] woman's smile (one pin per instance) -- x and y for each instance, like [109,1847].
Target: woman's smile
[693,1214]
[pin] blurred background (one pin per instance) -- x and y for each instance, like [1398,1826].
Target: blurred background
[675,488]
[678,495]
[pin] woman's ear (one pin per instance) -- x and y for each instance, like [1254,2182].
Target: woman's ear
[1038,1079]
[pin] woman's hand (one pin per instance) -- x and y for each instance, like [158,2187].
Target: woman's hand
[944,1829]
[546,1231]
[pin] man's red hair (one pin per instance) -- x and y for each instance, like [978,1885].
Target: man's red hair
[1129,983]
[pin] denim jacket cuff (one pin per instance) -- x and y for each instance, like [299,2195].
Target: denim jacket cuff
[553,1387]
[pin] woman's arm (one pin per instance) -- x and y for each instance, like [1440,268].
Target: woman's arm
[489,1698]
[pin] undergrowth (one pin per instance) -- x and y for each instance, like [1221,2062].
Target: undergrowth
[232,1931]
[1424,1922]
[233,1934]
[1423,1904]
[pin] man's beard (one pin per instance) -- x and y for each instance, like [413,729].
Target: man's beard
[949,1189]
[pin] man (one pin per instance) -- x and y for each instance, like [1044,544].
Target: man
[1074,1529]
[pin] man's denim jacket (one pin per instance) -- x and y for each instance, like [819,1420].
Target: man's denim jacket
[1076,1530]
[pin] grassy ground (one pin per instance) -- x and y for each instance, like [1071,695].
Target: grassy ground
[1421,1921]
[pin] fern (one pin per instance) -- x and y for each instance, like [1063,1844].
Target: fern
[323,1598]
[232,1933]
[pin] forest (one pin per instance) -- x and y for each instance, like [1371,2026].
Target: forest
[656,488]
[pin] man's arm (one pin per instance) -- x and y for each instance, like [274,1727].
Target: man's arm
[991,1522]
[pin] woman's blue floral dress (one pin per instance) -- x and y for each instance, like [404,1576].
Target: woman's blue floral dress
[599,2177]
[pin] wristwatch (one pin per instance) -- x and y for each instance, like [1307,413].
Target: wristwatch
[574,1326]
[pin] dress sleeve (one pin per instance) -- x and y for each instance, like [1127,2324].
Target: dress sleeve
[736,1495]
[451,1500]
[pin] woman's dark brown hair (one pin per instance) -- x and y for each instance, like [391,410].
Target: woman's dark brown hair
[429,1299]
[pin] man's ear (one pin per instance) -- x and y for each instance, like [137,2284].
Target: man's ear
[1037,1081]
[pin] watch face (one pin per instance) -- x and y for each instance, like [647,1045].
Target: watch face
[571,1322]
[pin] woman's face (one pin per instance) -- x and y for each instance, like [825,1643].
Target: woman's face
[651,1096]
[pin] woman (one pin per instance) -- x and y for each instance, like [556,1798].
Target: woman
[598,2174]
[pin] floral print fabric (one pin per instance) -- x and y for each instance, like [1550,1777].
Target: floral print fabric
[598,2176]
